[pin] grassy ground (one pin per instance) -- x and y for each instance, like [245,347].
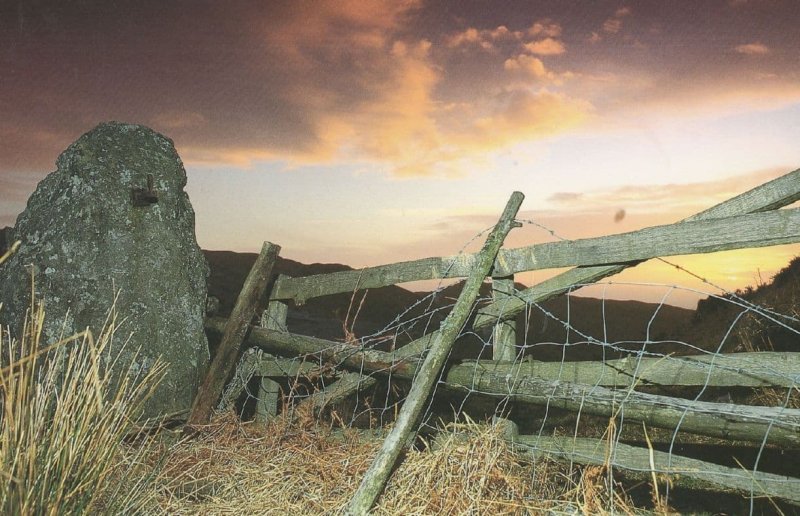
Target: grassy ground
[69,445]
[62,426]
[285,468]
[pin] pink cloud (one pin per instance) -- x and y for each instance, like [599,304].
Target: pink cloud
[484,38]
[612,25]
[752,49]
[545,28]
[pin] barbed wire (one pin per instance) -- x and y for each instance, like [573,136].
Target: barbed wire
[383,398]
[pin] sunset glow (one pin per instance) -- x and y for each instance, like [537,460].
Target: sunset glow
[368,132]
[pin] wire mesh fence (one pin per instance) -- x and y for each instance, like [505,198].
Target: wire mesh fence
[704,398]
[690,398]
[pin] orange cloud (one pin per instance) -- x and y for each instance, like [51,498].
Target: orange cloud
[398,125]
[535,68]
[523,115]
[529,64]
[546,47]
[545,28]
[752,49]
[483,38]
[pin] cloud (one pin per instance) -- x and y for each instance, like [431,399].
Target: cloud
[236,83]
[529,64]
[398,125]
[325,81]
[546,47]
[535,68]
[565,197]
[521,114]
[677,200]
[484,38]
[612,25]
[752,49]
[545,28]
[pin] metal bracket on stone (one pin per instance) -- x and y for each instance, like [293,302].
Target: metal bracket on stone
[144,196]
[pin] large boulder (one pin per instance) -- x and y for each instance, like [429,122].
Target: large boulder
[4,244]
[113,226]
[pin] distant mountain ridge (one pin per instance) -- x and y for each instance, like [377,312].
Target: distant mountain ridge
[324,317]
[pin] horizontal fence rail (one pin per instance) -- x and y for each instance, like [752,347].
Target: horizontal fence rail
[724,420]
[755,369]
[745,221]
[683,470]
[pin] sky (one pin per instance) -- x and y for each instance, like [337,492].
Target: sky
[367,131]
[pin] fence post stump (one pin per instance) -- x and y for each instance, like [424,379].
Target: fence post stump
[236,328]
[504,342]
[268,394]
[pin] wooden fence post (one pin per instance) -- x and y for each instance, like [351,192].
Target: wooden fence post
[221,368]
[273,318]
[428,374]
[504,342]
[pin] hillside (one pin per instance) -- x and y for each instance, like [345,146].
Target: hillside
[323,317]
[752,331]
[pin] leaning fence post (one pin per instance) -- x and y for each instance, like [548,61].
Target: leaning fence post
[427,375]
[236,328]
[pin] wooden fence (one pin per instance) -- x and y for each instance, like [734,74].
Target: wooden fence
[752,219]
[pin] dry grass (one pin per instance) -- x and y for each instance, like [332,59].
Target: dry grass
[283,468]
[62,426]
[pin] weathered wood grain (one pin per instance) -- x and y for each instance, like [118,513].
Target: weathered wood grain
[756,369]
[504,339]
[337,354]
[269,391]
[722,420]
[771,195]
[339,390]
[682,471]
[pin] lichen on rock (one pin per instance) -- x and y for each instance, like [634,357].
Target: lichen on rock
[114,226]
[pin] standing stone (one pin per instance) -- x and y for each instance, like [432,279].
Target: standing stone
[114,221]
[4,243]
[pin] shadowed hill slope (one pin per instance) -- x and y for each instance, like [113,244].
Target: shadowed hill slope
[324,317]
[751,331]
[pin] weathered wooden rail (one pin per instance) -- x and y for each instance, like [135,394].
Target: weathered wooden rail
[749,220]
